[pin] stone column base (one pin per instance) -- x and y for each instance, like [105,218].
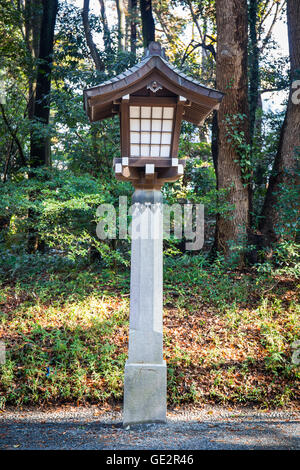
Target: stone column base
[145,393]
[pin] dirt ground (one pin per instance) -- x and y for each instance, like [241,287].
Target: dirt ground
[88,428]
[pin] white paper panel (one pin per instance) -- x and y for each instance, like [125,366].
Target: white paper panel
[156,125]
[145,124]
[155,137]
[167,125]
[134,150]
[134,111]
[145,150]
[166,138]
[134,137]
[156,112]
[146,112]
[168,113]
[134,124]
[165,151]
[145,137]
[155,150]
[151,126]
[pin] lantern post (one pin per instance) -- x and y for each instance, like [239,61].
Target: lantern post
[152,98]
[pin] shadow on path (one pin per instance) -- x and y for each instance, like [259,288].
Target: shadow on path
[81,434]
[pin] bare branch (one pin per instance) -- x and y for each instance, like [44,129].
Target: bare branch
[269,33]
[266,13]
[270,90]
[13,134]
[195,19]
[7,160]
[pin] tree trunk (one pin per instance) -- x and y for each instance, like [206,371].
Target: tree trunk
[148,26]
[132,10]
[121,24]
[214,153]
[40,144]
[89,38]
[33,17]
[281,205]
[106,31]
[231,78]
[254,76]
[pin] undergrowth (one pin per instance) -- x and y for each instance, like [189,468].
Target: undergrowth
[228,334]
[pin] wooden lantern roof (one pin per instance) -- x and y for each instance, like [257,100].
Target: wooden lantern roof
[103,101]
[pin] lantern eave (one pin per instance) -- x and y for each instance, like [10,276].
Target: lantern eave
[99,100]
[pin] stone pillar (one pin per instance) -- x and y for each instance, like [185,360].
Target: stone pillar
[145,369]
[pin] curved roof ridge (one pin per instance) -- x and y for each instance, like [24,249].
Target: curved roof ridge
[100,99]
[187,77]
[121,75]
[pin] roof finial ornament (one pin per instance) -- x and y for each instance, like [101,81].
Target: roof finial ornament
[154,86]
[154,48]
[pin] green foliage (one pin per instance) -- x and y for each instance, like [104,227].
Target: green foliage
[65,213]
[285,260]
[227,336]
[237,138]
[288,202]
[198,186]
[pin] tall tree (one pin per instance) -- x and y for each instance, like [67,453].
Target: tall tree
[254,78]
[260,13]
[32,25]
[121,25]
[132,11]
[89,37]
[285,172]
[39,139]
[106,31]
[40,144]
[148,26]
[233,127]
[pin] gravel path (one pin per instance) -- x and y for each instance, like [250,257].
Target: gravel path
[189,429]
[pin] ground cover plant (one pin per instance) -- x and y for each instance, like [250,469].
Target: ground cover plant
[228,334]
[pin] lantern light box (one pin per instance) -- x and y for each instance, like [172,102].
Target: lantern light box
[152,98]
